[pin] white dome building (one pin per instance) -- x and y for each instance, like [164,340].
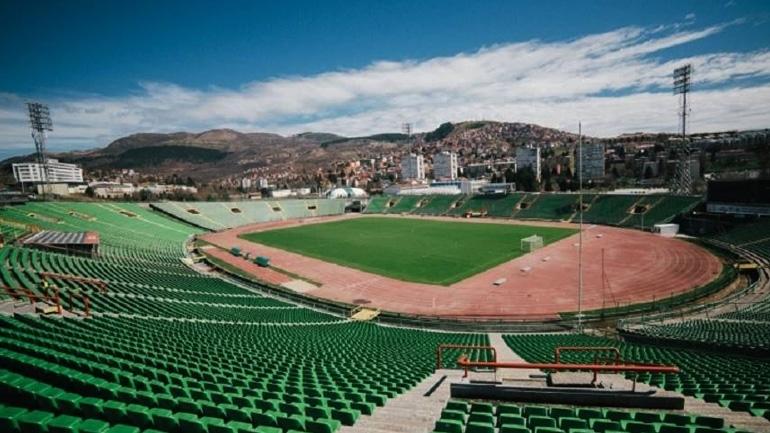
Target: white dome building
[347,193]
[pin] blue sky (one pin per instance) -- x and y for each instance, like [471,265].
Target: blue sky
[110,68]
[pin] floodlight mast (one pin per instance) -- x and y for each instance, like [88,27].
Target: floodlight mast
[40,122]
[683,180]
[580,230]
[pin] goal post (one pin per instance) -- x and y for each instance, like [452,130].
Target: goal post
[531,243]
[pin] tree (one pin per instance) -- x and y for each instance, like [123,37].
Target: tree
[440,133]
[526,180]
[648,174]
[89,192]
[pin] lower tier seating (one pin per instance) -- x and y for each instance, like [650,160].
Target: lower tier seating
[130,374]
[737,382]
[461,416]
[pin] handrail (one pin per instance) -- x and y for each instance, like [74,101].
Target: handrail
[442,347]
[99,284]
[464,362]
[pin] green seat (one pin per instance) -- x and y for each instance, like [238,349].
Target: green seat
[648,417]
[237,427]
[548,430]
[114,411]
[638,427]
[481,417]
[480,407]
[588,414]
[346,416]
[458,405]
[561,412]
[68,402]
[264,419]
[568,423]
[603,425]
[535,410]
[64,424]
[616,415]
[9,418]
[292,422]
[508,409]
[93,426]
[453,415]
[673,428]
[677,419]
[535,421]
[448,426]
[322,425]
[223,428]
[122,428]
[709,421]
[190,423]
[91,407]
[34,422]
[164,419]
[479,427]
[318,412]
[511,419]
[507,428]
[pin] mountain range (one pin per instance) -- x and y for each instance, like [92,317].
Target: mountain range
[220,153]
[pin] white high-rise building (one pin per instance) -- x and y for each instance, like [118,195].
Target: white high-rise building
[529,157]
[58,172]
[592,156]
[412,167]
[445,165]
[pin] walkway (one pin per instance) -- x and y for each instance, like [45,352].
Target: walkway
[412,411]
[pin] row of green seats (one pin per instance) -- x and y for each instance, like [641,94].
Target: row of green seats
[741,383]
[461,416]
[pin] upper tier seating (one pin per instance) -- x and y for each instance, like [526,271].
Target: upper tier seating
[404,204]
[609,208]
[437,204]
[549,206]
[223,215]
[661,209]
[750,336]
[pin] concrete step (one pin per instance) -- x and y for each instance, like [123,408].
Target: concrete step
[410,412]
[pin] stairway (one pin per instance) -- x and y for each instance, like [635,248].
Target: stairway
[412,411]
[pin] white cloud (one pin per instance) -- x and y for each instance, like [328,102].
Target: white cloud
[615,82]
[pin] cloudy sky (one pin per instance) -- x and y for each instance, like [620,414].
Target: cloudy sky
[109,69]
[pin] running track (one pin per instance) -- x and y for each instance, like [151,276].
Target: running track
[639,267]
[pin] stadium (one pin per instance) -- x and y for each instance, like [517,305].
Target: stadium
[295,315]
[385,217]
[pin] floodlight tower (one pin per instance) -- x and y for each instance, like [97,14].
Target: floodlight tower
[682,179]
[40,122]
[406,129]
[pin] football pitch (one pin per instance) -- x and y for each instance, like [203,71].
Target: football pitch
[424,251]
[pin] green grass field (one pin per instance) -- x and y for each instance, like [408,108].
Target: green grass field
[425,251]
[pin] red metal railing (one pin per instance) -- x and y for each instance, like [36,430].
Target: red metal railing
[442,347]
[34,297]
[465,363]
[100,285]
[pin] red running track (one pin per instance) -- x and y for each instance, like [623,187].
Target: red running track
[639,267]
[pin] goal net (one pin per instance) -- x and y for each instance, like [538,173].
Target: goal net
[531,243]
